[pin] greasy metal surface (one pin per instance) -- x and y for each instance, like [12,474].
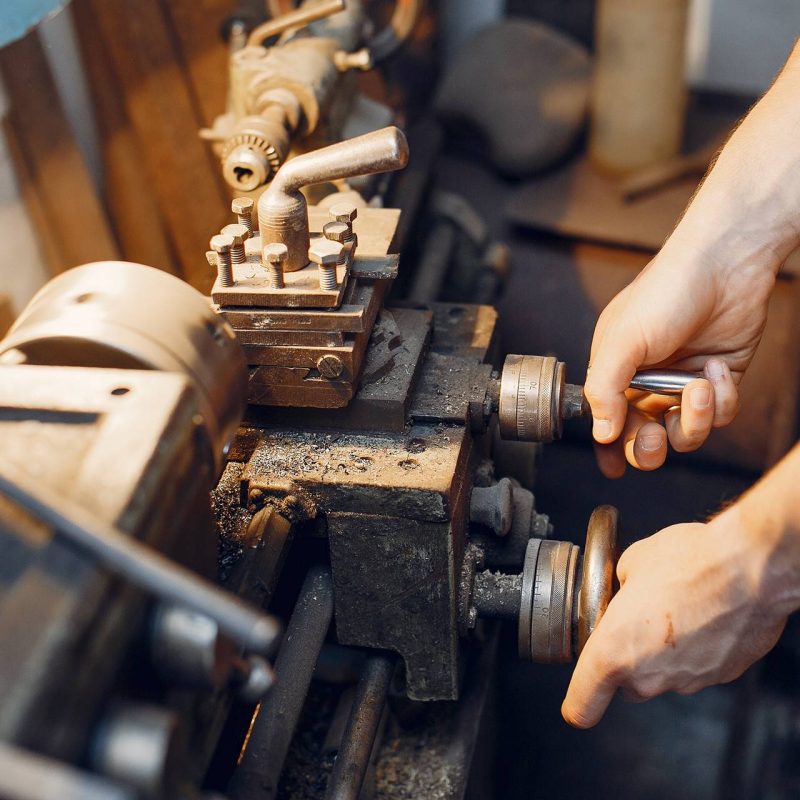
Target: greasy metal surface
[358,741]
[391,366]
[396,590]
[493,506]
[599,570]
[395,501]
[433,758]
[133,458]
[300,386]
[345,319]
[116,314]
[414,473]
[282,211]
[508,552]
[497,595]
[259,769]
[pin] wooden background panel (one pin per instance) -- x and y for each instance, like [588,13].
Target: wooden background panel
[204,53]
[56,184]
[163,111]
[128,195]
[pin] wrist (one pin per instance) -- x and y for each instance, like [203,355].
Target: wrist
[729,235]
[769,549]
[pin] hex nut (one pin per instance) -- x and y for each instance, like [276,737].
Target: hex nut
[343,212]
[238,232]
[275,253]
[324,252]
[222,243]
[336,231]
[242,205]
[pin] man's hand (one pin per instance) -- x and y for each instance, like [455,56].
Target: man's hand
[690,612]
[701,304]
[684,312]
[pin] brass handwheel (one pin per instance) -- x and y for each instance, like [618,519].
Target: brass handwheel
[598,578]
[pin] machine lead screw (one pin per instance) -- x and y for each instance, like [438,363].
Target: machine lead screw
[338,232]
[221,244]
[243,208]
[239,234]
[326,253]
[274,259]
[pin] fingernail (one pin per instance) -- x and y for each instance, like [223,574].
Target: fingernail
[651,442]
[715,370]
[601,429]
[700,397]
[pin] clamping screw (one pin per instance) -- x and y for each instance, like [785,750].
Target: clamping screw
[326,253]
[274,259]
[243,208]
[338,232]
[221,244]
[346,213]
[239,234]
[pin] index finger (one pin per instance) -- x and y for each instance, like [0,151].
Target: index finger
[591,689]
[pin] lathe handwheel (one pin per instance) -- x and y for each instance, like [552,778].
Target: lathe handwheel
[599,572]
[565,593]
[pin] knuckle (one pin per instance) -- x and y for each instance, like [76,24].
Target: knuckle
[686,445]
[609,665]
[647,687]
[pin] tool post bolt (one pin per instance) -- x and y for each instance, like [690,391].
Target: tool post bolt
[338,232]
[326,254]
[346,213]
[274,258]
[243,208]
[221,244]
[240,234]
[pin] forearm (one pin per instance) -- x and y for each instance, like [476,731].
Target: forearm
[747,211]
[769,514]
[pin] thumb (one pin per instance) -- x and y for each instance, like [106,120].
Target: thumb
[613,365]
[590,691]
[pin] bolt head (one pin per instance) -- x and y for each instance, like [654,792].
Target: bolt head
[238,232]
[221,243]
[324,252]
[330,366]
[275,253]
[336,231]
[242,205]
[343,212]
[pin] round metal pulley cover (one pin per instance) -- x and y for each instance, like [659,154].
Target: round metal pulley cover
[599,571]
[115,314]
